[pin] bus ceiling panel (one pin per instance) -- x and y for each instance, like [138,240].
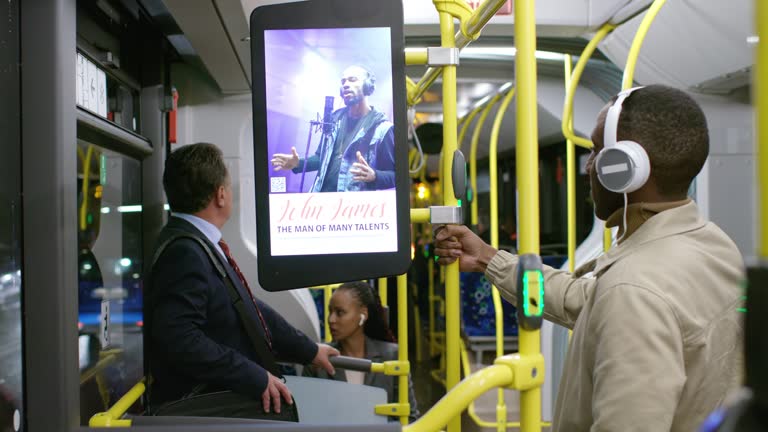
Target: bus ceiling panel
[217,31]
[95,130]
[549,13]
[202,23]
[709,54]
[554,18]
[235,22]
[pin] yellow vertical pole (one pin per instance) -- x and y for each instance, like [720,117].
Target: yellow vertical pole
[570,173]
[86,183]
[452,300]
[465,122]
[501,407]
[761,118]
[383,290]
[527,181]
[402,339]
[327,292]
[473,156]
[607,239]
[432,337]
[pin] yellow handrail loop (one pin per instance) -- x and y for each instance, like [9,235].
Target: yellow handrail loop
[567,123]
[461,10]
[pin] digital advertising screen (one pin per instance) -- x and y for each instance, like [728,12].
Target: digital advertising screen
[332,170]
[329,141]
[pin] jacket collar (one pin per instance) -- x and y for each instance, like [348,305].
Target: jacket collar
[178,223]
[637,214]
[667,223]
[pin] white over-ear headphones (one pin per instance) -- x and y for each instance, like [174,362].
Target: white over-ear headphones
[362,320]
[623,166]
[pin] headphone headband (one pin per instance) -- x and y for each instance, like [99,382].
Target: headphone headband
[610,132]
[622,166]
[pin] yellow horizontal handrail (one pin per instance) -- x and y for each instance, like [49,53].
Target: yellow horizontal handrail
[416,57]
[112,417]
[460,396]
[420,215]
[322,287]
[567,124]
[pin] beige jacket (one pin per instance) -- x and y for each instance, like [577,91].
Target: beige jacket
[657,340]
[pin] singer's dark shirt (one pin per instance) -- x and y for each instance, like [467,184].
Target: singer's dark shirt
[348,128]
[372,136]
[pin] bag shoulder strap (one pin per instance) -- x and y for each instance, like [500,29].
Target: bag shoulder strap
[256,336]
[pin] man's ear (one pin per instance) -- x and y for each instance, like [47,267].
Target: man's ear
[221,194]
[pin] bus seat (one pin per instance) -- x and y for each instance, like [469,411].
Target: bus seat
[479,316]
[352,403]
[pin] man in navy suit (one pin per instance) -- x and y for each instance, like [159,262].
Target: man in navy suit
[196,340]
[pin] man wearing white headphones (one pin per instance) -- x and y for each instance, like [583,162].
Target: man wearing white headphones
[656,332]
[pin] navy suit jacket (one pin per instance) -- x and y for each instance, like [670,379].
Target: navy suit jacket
[194,335]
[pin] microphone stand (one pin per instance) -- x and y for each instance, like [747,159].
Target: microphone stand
[316,124]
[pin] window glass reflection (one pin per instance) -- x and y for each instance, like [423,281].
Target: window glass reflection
[109,277]
[11,377]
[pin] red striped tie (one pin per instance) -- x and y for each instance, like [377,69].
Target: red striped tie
[232,262]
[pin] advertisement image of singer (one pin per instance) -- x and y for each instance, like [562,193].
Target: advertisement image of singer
[358,152]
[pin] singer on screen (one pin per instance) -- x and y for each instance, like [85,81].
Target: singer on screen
[357,151]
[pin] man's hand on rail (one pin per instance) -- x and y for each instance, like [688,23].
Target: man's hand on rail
[271,396]
[322,358]
[458,242]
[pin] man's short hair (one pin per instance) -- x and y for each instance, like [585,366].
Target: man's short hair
[672,129]
[192,176]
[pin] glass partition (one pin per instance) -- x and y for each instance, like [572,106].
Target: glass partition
[11,348]
[11,366]
[109,276]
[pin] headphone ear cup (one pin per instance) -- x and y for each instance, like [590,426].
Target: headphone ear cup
[623,168]
[369,85]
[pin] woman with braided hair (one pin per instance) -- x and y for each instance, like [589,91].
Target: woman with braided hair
[359,329]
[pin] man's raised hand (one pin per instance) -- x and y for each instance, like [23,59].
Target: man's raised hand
[361,171]
[285,161]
